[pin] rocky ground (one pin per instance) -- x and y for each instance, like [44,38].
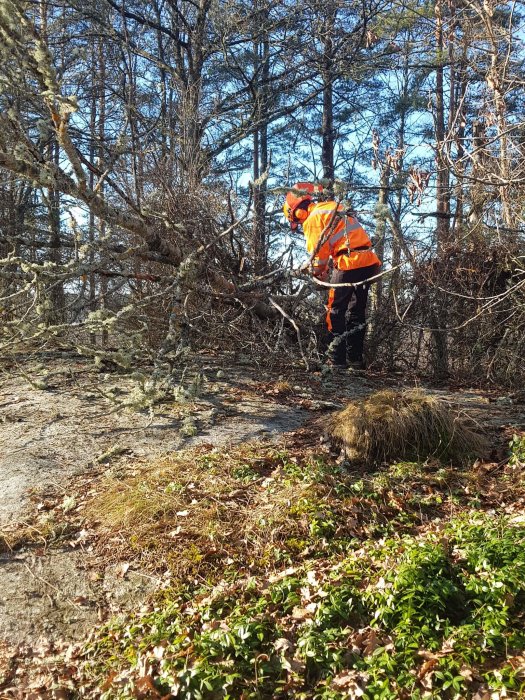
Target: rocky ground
[61,430]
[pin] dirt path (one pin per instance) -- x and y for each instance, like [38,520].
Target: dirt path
[50,438]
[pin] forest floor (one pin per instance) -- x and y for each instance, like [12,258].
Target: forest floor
[62,436]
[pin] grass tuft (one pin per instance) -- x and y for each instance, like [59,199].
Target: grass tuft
[199,511]
[409,425]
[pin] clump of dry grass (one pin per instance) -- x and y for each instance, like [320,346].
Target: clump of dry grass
[24,534]
[390,426]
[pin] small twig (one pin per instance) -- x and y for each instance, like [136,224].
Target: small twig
[297,330]
[50,585]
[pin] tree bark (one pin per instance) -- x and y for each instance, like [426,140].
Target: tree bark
[327,75]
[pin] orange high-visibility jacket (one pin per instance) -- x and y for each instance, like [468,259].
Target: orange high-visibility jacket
[347,235]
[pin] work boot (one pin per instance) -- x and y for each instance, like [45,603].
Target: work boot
[354,344]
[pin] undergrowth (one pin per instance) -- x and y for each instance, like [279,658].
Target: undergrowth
[200,511]
[401,583]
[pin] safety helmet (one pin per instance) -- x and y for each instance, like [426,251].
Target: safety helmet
[293,211]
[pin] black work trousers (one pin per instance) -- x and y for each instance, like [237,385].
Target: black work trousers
[346,315]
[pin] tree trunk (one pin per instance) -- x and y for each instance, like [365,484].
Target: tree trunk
[442,173]
[260,147]
[327,75]
[55,292]
[438,315]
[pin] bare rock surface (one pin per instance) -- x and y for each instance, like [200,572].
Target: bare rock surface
[47,436]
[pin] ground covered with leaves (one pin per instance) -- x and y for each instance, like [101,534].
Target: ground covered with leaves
[294,576]
[275,567]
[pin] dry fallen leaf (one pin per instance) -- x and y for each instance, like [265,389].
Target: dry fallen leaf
[351,682]
[145,688]
[282,574]
[81,600]
[371,643]
[427,667]
[482,694]
[158,651]
[466,673]
[282,644]
[301,613]
[425,674]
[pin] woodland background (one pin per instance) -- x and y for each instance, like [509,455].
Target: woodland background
[145,148]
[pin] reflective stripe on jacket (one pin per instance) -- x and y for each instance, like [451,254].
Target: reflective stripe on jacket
[347,233]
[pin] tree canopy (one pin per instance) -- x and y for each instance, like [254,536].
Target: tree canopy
[145,148]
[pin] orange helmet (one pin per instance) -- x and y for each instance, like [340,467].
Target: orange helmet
[292,212]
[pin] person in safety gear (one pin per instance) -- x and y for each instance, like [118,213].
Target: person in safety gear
[332,234]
